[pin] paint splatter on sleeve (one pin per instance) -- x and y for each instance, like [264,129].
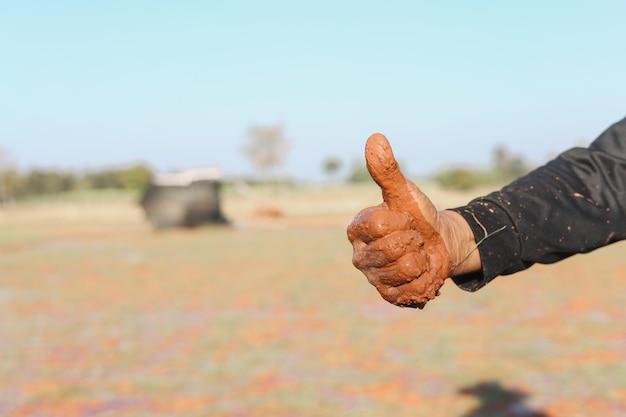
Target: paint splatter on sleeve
[574,204]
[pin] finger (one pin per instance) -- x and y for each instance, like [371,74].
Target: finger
[399,193]
[358,254]
[407,295]
[375,222]
[408,268]
[390,248]
[419,291]
[396,296]
[390,294]
[384,169]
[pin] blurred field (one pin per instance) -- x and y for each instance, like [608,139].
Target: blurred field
[101,316]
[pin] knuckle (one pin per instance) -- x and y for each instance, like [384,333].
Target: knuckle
[359,258]
[383,222]
[413,264]
[405,270]
[359,228]
[393,276]
[377,259]
[392,247]
[376,222]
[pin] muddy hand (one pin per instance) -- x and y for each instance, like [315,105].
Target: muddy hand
[398,244]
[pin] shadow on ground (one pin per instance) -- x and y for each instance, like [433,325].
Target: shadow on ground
[496,400]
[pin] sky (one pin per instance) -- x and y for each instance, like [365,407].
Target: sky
[88,84]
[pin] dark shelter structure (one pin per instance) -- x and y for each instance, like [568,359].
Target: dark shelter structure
[185,199]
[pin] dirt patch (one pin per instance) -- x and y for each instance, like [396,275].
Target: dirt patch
[268,213]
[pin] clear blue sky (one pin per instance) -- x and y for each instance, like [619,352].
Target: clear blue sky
[177,84]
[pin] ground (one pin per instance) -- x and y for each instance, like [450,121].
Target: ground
[101,316]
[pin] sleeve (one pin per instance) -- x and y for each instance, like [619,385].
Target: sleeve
[574,204]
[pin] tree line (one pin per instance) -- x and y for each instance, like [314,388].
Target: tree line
[17,185]
[505,167]
[266,147]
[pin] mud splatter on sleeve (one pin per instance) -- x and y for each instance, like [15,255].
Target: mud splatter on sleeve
[574,204]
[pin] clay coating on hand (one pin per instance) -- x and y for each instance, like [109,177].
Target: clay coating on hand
[414,273]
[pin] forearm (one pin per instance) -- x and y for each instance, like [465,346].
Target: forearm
[574,204]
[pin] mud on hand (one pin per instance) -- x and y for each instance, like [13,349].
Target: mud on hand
[397,244]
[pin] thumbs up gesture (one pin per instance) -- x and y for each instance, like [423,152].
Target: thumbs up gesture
[406,247]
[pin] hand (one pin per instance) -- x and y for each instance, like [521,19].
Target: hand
[404,246]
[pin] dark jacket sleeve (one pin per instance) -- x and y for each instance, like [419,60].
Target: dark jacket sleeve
[574,204]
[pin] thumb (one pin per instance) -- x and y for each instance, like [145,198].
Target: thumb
[399,193]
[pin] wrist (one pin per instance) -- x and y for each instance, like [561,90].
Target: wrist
[460,242]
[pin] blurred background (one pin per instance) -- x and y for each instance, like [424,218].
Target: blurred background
[176,179]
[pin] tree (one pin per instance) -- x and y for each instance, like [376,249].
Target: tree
[508,165]
[332,165]
[7,174]
[460,179]
[41,182]
[266,148]
[137,177]
[359,173]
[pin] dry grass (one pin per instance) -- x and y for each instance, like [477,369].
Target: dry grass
[100,316]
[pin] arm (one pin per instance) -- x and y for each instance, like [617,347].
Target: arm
[574,204]
[407,248]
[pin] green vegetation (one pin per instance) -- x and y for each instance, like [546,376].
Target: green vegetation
[359,173]
[267,150]
[505,168]
[332,166]
[36,183]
